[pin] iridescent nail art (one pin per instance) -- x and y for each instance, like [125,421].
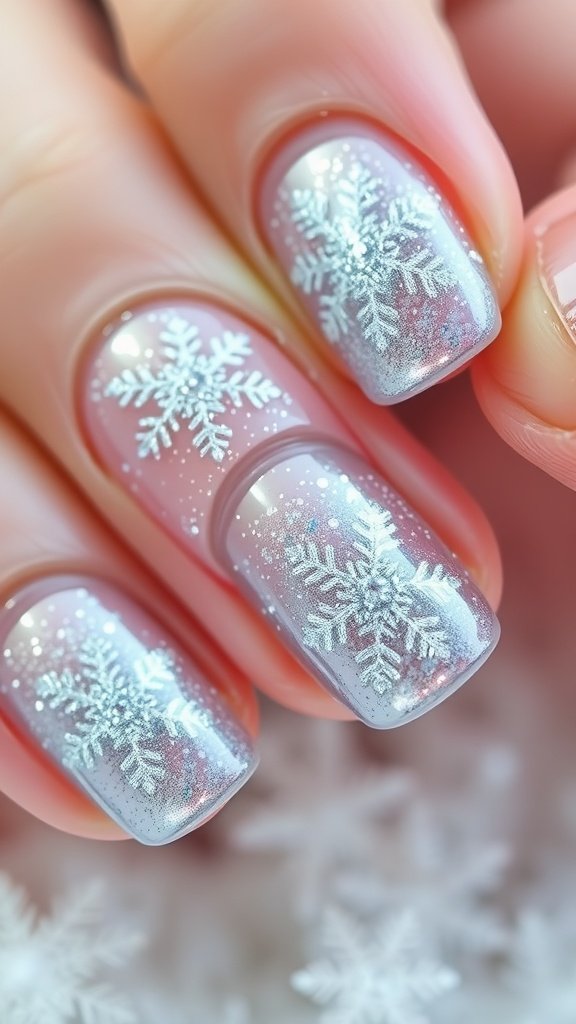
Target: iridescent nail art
[358,585]
[198,416]
[379,259]
[177,395]
[190,382]
[125,713]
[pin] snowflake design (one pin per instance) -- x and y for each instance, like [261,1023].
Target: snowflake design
[541,969]
[111,706]
[51,967]
[375,595]
[316,779]
[193,387]
[387,977]
[363,246]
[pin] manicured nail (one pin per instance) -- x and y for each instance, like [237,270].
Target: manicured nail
[177,396]
[378,258]
[89,676]
[357,585]
[197,414]
[556,256]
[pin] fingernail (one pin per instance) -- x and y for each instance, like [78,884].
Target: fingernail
[93,680]
[196,413]
[357,584]
[179,396]
[556,257]
[378,258]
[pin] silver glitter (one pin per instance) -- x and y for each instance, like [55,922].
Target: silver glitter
[192,386]
[365,245]
[379,259]
[108,707]
[377,608]
[375,594]
[128,716]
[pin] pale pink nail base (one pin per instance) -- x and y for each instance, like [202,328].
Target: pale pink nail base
[177,395]
[87,675]
[357,585]
[378,258]
[198,414]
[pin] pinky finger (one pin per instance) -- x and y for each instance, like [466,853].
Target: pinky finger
[108,726]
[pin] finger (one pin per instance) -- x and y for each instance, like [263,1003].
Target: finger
[147,363]
[343,140]
[108,725]
[526,383]
[520,56]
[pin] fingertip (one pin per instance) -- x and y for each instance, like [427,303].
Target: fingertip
[526,381]
[550,448]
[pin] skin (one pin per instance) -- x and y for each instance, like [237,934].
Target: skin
[105,198]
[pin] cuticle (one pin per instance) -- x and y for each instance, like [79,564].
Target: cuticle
[306,121]
[70,576]
[263,458]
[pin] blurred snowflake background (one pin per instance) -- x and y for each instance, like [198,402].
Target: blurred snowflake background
[420,876]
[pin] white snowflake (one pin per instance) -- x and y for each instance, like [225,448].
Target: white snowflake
[363,246]
[323,809]
[458,907]
[107,705]
[375,595]
[386,976]
[192,387]
[542,969]
[51,968]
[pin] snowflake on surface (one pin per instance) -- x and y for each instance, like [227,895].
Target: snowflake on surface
[108,705]
[386,976]
[192,387]
[375,594]
[51,968]
[317,784]
[542,970]
[363,246]
[457,908]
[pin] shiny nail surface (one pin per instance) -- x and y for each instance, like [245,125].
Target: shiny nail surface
[199,416]
[88,675]
[556,257]
[357,585]
[177,395]
[378,258]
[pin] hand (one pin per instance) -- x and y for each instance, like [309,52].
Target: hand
[201,400]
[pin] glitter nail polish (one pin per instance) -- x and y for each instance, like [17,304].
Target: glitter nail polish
[178,396]
[378,258]
[91,678]
[356,584]
[198,415]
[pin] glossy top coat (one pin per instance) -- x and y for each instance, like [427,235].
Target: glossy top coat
[378,257]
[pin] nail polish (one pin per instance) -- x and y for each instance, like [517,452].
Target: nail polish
[556,260]
[356,584]
[378,258]
[181,395]
[238,457]
[90,677]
